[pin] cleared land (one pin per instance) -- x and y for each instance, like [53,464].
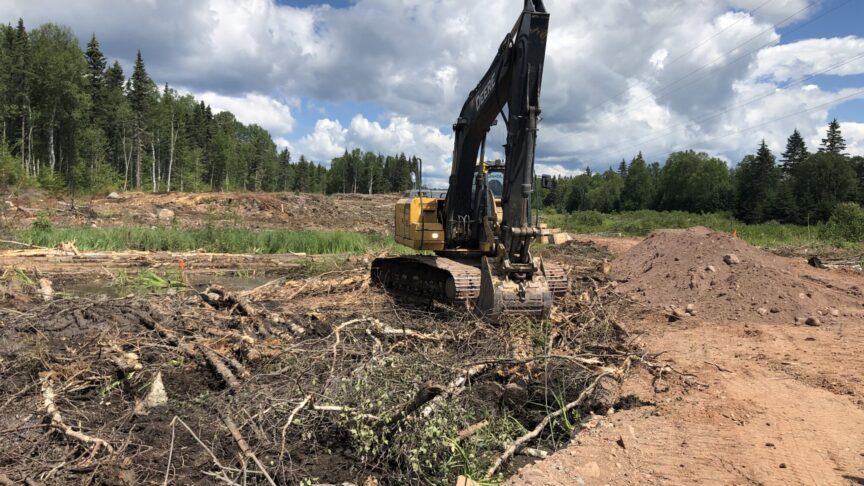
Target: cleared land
[667,366]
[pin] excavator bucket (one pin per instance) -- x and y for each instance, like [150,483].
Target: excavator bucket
[500,296]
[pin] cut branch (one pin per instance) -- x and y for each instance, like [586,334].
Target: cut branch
[244,446]
[57,423]
[519,443]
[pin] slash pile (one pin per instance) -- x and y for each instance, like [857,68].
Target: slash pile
[320,380]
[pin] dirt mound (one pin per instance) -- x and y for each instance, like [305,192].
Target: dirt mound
[699,271]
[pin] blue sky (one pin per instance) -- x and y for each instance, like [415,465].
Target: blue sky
[391,75]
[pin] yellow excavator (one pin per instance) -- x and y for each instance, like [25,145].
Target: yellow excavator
[481,230]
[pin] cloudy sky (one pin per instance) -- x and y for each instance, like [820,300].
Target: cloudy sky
[391,75]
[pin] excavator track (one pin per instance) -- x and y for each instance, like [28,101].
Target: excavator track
[438,278]
[449,280]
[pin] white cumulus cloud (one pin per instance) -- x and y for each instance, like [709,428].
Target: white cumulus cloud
[253,108]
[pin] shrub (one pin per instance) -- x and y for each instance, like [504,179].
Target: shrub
[846,223]
[41,223]
[11,172]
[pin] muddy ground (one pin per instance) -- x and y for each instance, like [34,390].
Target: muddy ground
[315,378]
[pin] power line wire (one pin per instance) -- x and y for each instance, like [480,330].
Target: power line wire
[764,95]
[743,56]
[700,44]
[789,115]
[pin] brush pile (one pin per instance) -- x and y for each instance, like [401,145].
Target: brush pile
[311,381]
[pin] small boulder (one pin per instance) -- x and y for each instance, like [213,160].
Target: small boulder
[774,310]
[113,195]
[835,313]
[762,311]
[46,289]
[676,314]
[165,214]
[813,321]
[156,397]
[711,268]
[691,309]
[731,259]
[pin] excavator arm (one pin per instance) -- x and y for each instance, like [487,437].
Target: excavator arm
[484,255]
[512,81]
[511,280]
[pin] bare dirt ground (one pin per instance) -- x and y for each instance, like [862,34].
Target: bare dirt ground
[349,212]
[765,400]
[749,372]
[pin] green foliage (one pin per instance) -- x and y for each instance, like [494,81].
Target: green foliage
[796,152]
[833,143]
[42,223]
[641,223]
[694,182]
[223,240]
[82,122]
[822,181]
[11,171]
[846,223]
[639,186]
[150,280]
[757,181]
[356,171]
[804,190]
[23,278]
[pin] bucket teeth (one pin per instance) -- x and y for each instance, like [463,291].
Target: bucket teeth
[500,296]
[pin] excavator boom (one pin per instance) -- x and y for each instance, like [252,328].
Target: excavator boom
[482,230]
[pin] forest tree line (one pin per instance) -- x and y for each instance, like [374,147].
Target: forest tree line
[799,187]
[72,122]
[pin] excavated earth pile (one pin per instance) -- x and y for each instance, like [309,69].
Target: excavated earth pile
[718,277]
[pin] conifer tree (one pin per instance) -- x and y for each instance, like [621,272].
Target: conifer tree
[833,142]
[796,152]
[757,181]
[142,92]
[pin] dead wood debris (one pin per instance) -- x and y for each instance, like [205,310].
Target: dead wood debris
[57,423]
[301,372]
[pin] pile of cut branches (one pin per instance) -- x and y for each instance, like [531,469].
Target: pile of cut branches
[321,380]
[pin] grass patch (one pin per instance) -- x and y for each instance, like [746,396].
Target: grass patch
[219,240]
[641,223]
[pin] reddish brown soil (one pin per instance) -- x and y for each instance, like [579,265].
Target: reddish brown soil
[764,401]
[674,268]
